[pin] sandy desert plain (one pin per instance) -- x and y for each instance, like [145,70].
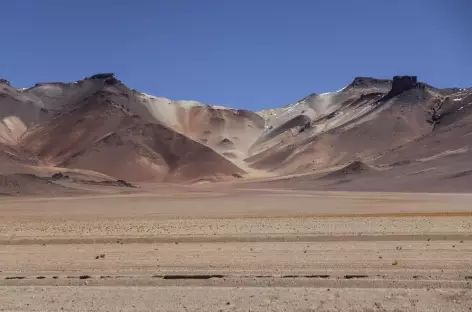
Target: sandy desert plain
[234,247]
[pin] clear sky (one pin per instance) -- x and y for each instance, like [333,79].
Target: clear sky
[240,53]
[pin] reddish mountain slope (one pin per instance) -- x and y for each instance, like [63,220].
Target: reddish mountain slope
[100,135]
[403,134]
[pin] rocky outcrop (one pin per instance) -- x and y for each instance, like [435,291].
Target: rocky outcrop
[101,76]
[401,84]
[112,81]
[6,82]
[226,143]
[109,78]
[368,82]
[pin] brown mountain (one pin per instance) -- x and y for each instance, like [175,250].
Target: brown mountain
[374,134]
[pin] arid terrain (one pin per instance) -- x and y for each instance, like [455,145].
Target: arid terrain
[226,248]
[353,200]
[372,135]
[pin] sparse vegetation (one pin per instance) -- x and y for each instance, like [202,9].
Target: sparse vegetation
[101,256]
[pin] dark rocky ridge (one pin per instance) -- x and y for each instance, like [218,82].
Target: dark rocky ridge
[109,78]
[369,82]
[101,76]
[6,82]
[402,84]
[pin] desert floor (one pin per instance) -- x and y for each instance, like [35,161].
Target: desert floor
[229,248]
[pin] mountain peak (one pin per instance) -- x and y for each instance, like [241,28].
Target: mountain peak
[99,124]
[109,78]
[101,76]
[401,84]
[366,82]
[4,81]
[404,82]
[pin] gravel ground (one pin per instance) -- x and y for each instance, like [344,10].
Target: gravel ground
[237,251]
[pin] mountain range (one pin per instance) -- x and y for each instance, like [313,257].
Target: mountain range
[395,134]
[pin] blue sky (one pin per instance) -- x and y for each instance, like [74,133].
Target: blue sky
[245,54]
